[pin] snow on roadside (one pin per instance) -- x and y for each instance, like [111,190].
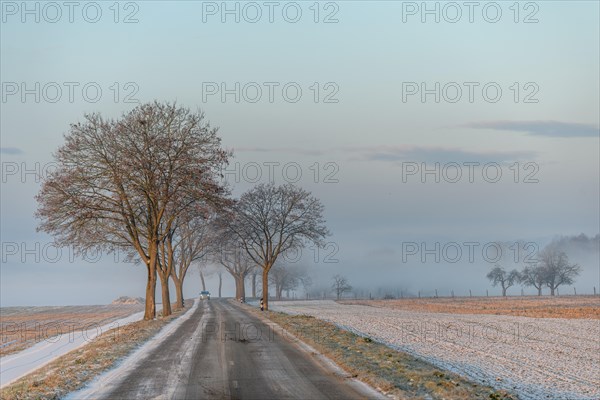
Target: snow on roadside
[15,366]
[532,357]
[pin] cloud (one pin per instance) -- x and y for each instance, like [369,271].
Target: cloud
[436,154]
[10,150]
[401,153]
[540,128]
[296,150]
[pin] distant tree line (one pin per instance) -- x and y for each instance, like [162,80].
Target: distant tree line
[551,269]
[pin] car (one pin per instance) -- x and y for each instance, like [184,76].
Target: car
[205,294]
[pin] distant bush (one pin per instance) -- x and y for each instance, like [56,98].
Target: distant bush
[128,300]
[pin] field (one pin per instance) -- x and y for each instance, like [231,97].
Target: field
[483,340]
[22,327]
[572,307]
[74,369]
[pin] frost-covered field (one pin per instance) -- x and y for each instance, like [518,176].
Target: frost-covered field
[17,365]
[536,358]
[23,327]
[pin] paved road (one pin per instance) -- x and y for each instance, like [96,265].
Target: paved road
[223,352]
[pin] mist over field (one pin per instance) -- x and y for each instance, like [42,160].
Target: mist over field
[378,134]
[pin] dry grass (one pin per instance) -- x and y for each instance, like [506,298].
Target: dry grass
[22,327]
[572,307]
[71,371]
[396,374]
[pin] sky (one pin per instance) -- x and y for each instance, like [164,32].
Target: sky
[420,126]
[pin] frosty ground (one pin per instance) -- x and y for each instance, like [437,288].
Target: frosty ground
[535,358]
[23,327]
[49,348]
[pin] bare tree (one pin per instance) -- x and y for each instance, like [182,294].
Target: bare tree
[253,280]
[193,240]
[533,276]
[340,286]
[556,268]
[270,220]
[508,254]
[499,276]
[220,275]
[205,270]
[306,282]
[117,181]
[285,277]
[236,261]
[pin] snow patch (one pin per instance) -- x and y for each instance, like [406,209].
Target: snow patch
[15,366]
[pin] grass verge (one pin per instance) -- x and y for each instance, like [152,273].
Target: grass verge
[396,374]
[73,370]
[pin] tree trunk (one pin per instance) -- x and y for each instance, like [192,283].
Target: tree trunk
[150,311]
[240,290]
[166,301]
[237,286]
[220,283]
[178,292]
[551,291]
[265,287]
[203,282]
[178,283]
[254,284]
[539,291]
[504,292]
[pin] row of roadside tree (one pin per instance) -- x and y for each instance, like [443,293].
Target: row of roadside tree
[149,183]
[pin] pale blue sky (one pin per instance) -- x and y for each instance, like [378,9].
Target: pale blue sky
[368,133]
